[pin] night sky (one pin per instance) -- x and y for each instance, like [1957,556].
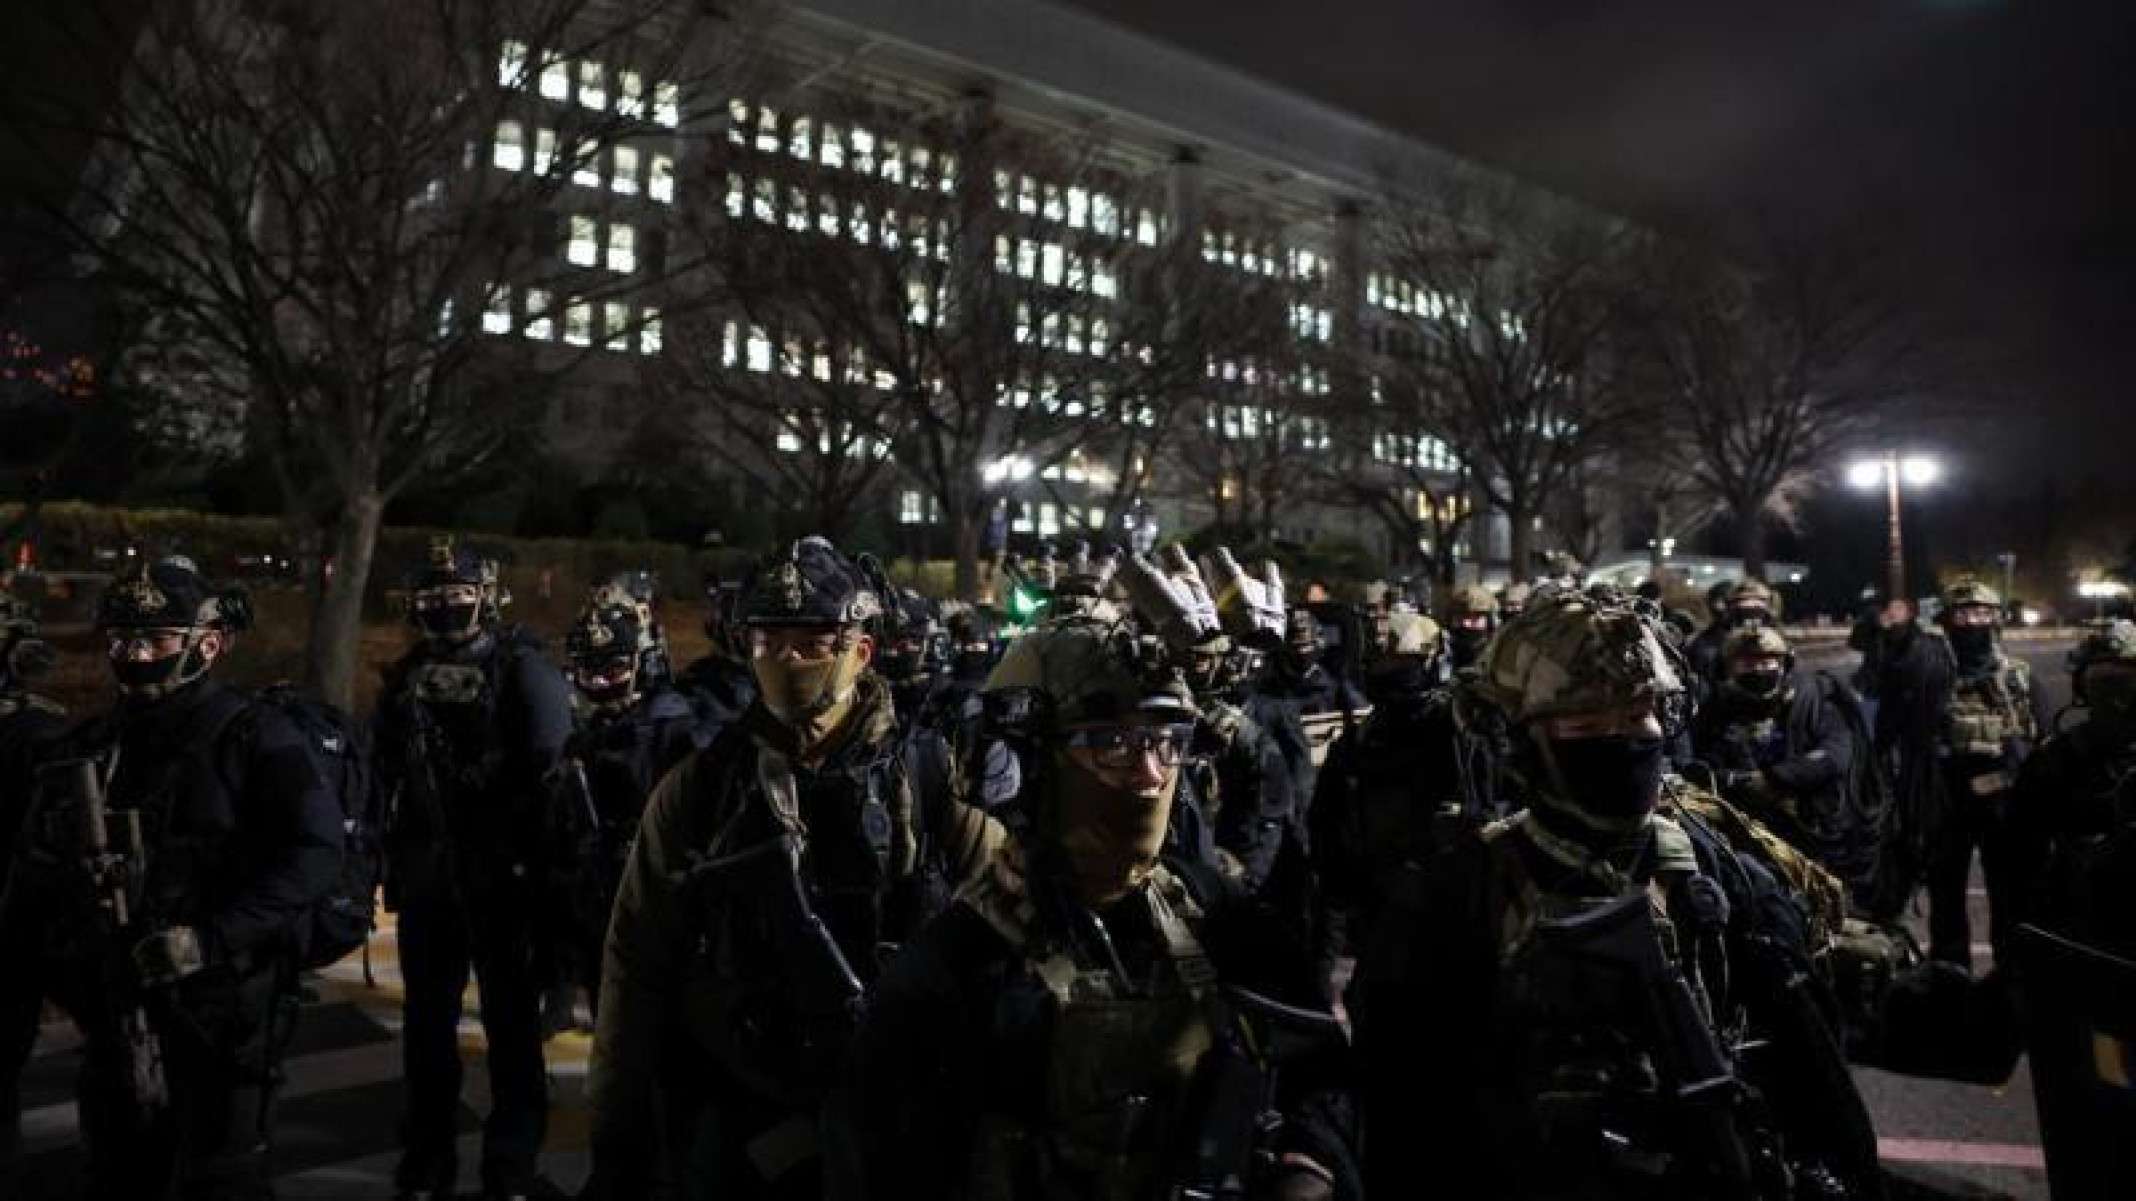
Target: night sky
[1988,145]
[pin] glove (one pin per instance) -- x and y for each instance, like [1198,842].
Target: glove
[169,956]
[1169,604]
[1247,605]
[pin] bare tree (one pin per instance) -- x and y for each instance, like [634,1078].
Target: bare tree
[1766,372]
[1511,299]
[353,206]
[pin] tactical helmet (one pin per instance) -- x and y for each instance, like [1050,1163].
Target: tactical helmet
[169,594]
[1088,671]
[2114,644]
[1072,587]
[1750,591]
[1475,598]
[1566,655]
[22,653]
[810,585]
[448,565]
[1755,643]
[1513,598]
[1412,634]
[913,637]
[1969,593]
[616,648]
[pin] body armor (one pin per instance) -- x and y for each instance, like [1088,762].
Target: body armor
[1991,711]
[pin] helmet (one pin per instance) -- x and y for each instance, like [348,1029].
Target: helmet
[170,593]
[1971,593]
[810,585]
[1412,634]
[2114,644]
[1513,598]
[1750,592]
[1568,655]
[1077,671]
[1475,598]
[448,565]
[1758,641]
[616,648]
[22,653]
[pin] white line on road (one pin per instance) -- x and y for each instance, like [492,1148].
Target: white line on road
[1942,1151]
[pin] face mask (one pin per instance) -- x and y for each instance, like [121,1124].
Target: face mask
[972,665]
[1467,644]
[1111,837]
[1399,684]
[158,677]
[808,695]
[607,684]
[1614,782]
[898,665]
[1749,619]
[449,621]
[1759,685]
[1972,642]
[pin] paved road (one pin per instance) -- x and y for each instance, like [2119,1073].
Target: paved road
[336,1137]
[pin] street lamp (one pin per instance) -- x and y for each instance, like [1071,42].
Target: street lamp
[1888,471]
[2098,592]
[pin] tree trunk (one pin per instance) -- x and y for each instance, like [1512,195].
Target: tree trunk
[967,544]
[1750,531]
[337,622]
[1520,539]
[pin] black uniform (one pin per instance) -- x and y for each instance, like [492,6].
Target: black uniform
[241,837]
[624,755]
[469,742]
[25,722]
[719,687]
[1799,765]
[1908,674]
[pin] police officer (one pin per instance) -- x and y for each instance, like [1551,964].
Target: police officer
[1790,749]
[719,685]
[1071,1027]
[772,872]
[471,732]
[633,726]
[2072,898]
[1608,994]
[175,847]
[1471,618]
[1990,725]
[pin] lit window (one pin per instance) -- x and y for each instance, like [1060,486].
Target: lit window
[539,326]
[789,441]
[796,209]
[1103,282]
[497,314]
[622,249]
[1146,228]
[445,318]
[859,226]
[893,162]
[625,178]
[1022,524]
[911,508]
[1075,333]
[949,173]
[1078,207]
[827,214]
[820,363]
[799,141]
[1004,188]
[660,181]
[578,323]
[630,93]
[1053,209]
[667,104]
[764,204]
[584,249]
[735,190]
[918,310]
[863,151]
[728,345]
[1097,517]
[1026,257]
[509,151]
[544,151]
[1104,217]
[1049,519]
[556,79]
[759,350]
[586,166]
[738,122]
[1004,254]
[1098,333]
[512,64]
[830,146]
[1050,263]
[1026,195]
[767,137]
[593,85]
[615,325]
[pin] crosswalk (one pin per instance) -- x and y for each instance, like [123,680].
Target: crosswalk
[336,1131]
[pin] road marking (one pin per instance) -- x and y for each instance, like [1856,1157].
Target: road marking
[1942,1151]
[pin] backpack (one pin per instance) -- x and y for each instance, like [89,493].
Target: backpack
[342,920]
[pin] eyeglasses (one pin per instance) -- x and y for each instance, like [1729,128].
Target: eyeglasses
[1122,746]
[158,643]
[803,641]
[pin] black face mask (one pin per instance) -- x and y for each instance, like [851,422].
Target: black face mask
[1973,642]
[1407,684]
[157,677]
[1616,780]
[1760,685]
[448,621]
[1749,619]
[972,665]
[898,666]
[1467,644]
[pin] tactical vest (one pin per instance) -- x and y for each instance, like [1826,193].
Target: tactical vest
[1989,712]
[12,703]
[1118,1061]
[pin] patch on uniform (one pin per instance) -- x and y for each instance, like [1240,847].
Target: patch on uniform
[792,585]
[448,683]
[141,594]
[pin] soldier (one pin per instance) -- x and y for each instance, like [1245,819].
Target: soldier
[1471,618]
[1990,725]
[1745,604]
[2072,899]
[1906,669]
[1611,993]
[912,662]
[1078,1023]
[26,720]
[772,873]
[1792,750]
[1513,599]
[170,861]
[1393,794]
[633,727]
[471,733]
[719,685]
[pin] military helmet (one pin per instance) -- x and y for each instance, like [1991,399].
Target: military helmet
[812,584]
[1083,671]
[1756,642]
[1971,593]
[616,626]
[170,593]
[1412,634]
[1750,592]
[1474,598]
[2114,644]
[1566,654]
[1514,597]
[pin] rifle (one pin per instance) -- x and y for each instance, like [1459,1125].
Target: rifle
[1234,1089]
[1694,1068]
[113,876]
[818,975]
